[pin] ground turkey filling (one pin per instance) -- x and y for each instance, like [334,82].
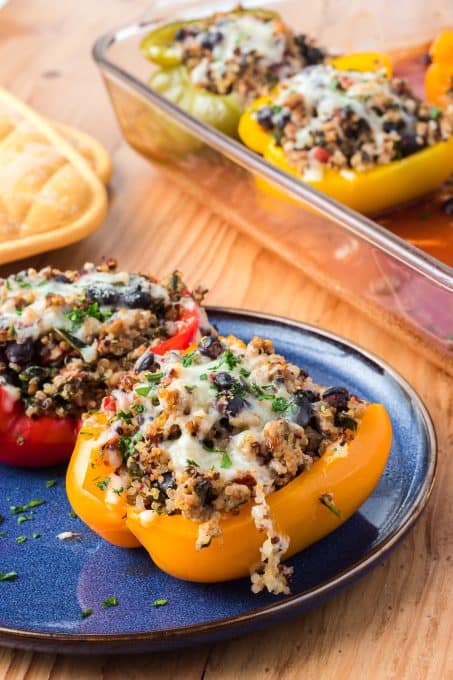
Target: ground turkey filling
[67,337]
[323,117]
[244,53]
[204,432]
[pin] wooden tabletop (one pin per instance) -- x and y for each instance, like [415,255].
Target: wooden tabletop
[397,622]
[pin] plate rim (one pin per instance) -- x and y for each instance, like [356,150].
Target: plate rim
[67,642]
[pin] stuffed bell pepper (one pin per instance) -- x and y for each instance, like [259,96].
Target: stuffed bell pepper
[65,340]
[225,459]
[213,67]
[360,137]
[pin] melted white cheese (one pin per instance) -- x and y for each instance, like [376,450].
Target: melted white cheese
[245,34]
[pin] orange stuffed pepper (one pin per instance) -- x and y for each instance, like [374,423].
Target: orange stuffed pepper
[224,460]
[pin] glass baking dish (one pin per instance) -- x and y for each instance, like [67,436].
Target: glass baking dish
[398,285]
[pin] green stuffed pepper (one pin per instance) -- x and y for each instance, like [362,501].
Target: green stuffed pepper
[213,67]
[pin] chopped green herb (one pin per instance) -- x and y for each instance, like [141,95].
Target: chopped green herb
[118,491]
[95,312]
[435,112]
[36,535]
[19,311]
[24,518]
[280,404]
[226,461]
[21,282]
[212,449]
[76,316]
[334,84]
[8,284]
[138,408]
[154,377]
[143,391]
[21,539]
[189,461]
[50,483]
[72,515]
[110,602]
[9,576]
[343,420]
[244,373]
[204,376]
[124,415]
[17,509]
[85,613]
[103,484]
[126,447]
[190,388]
[160,602]
[187,360]
[327,500]
[3,534]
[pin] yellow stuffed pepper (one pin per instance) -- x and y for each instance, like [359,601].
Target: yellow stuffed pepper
[439,76]
[360,137]
[224,460]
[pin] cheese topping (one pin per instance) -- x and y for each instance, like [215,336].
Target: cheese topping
[205,432]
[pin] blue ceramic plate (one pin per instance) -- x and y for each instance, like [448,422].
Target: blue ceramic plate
[58,579]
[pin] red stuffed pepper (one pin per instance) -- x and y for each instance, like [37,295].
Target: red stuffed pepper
[65,340]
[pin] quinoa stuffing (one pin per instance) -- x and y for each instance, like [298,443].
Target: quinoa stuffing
[67,337]
[349,120]
[205,432]
[245,53]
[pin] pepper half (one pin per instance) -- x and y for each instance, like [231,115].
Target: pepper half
[439,76]
[367,192]
[47,440]
[173,80]
[297,509]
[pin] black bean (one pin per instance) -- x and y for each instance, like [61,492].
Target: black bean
[174,432]
[264,117]
[393,125]
[146,362]
[136,298]
[211,347]
[305,410]
[447,206]
[314,440]
[181,34]
[103,295]
[20,352]
[343,420]
[308,394]
[337,397]
[313,55]
[223,380]
[231,404]
[205,492]
[281,119]
[61,278]
[409,144]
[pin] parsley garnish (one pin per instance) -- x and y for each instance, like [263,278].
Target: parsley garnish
[50,483]
[160,602]
[280,404]
[72,515]
[154,377]
[187,360]
[226,461]
[126,447]
[190,388]
[9,576]
[204,376]
[211,449]
[85,613]
[17,509]
[244,373]
[103,484]
[189,461]
[124,415]
[143,391]
[21,539]
[36,535]
[327,500]
[110,602]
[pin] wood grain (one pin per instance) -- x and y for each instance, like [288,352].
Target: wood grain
[398,621]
